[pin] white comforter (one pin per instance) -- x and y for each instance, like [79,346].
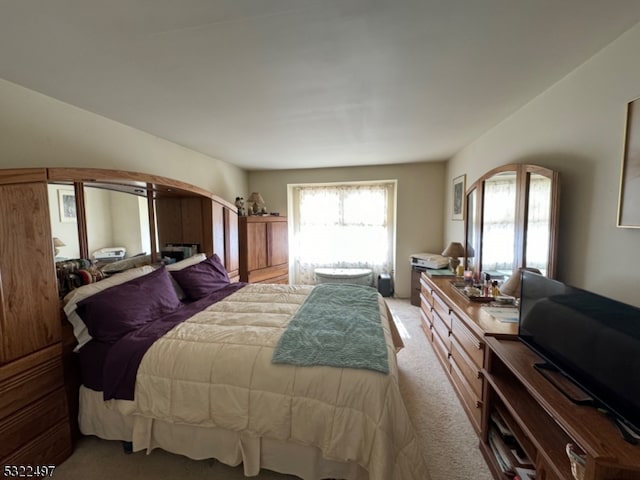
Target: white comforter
[215,370]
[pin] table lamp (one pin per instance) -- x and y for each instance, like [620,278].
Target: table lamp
[256,199]
[57,243]
[511,287]
[453,251]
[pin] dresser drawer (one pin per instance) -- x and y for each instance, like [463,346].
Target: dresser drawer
[52,447]
[471,403]
[425,323]
[441,347]
[472,346]
[29,378]
[467,367]
[426,308]
[425,290]
[441,327]
[440,306]
[26,424]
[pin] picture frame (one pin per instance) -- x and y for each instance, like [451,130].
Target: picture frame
[67,206]
[458,206]
[629,199]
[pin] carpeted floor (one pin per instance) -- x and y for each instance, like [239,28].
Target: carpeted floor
[449,442]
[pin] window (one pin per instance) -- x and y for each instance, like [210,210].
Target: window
[342,226]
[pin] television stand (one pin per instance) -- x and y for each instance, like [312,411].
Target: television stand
[564,384]
[542,421]
[574,393]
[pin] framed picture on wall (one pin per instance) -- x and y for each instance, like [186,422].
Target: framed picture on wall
[629,202]
[67,206]
[459,186]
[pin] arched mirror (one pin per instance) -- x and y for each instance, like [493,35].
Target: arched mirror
[512,215]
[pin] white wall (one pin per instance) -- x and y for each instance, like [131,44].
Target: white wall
[576,127]
[420,194]
[39,131]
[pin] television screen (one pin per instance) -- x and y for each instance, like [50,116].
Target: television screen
[593,340]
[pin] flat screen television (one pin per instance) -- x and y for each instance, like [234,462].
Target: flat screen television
[591,339]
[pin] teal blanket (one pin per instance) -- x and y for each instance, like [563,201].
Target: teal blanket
[338,325]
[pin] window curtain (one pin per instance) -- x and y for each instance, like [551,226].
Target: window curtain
[499,224]
[538,220]
[342,226]
[499,218]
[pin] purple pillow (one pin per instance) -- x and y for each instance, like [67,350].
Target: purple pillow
[203,278]
[114,312]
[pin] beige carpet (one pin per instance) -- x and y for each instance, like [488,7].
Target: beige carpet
[449,442]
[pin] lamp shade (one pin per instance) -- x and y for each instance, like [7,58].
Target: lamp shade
[255,197]
[57,243]
[454,249]
[512,286]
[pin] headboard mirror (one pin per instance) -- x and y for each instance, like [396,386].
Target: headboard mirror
[141,213]
[117,218]
[512,220]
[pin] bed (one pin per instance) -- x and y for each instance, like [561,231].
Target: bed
[204,382]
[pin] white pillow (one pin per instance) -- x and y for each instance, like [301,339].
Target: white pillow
[187,262]
[74,296]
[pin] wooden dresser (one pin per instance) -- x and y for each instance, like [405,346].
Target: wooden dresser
[264,249]
[456,328]
[493,373]
[34,426]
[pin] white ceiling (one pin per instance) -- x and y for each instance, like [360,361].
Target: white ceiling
[272,84]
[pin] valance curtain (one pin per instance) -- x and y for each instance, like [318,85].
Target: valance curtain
[342,226]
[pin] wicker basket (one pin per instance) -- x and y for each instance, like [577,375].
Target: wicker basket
[577,462]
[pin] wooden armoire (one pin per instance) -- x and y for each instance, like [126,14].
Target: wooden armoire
[34,425]
[264,249]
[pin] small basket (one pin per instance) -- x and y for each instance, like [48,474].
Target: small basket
[577,462]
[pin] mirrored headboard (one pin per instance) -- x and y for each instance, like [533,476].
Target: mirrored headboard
[99,210]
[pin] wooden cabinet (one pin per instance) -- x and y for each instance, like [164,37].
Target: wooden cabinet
[542,420]
[185,221]
[264,249]
[34,425]
[456,328]
[203,222]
